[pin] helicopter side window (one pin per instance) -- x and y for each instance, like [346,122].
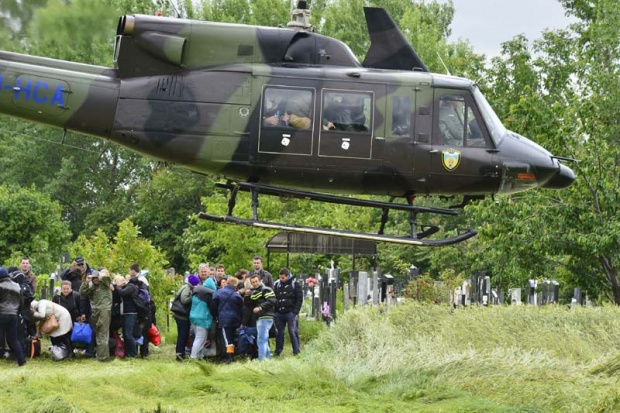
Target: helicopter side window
[451,119]
[401,115]
[347,111]
[474,133]
[288,108]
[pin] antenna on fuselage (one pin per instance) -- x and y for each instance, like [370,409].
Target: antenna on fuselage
[444,65]
[176,9]
[300,16]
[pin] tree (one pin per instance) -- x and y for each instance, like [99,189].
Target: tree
[126,248]
[91,178]
[571,234]
[31,225]
[165,206]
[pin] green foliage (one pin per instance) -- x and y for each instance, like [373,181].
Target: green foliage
[164,208]
[31,225]
[572,234]
[56,25]
[126,248]
[427,289]
[234,246]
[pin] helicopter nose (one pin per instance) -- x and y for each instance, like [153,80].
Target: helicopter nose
[562,179]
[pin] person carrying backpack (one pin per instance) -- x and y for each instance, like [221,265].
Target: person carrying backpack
[26,327]
[11,301]
[127,290]
[289,298]
[145,308]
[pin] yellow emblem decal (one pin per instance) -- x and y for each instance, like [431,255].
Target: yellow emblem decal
[450,158]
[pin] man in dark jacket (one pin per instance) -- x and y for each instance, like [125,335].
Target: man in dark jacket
[73,274]
[10,303]
[289,298]
[257,268]
[26,269]
[127,290]
[263,303]
[229,305]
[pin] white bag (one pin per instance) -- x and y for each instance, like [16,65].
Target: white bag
[59,352]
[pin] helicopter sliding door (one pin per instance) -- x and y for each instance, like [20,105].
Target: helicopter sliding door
[462,151]
[408,136]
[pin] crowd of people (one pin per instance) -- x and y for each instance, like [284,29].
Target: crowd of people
[221,309]
[212,311]
[94,297]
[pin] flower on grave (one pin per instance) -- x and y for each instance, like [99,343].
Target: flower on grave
[325,311]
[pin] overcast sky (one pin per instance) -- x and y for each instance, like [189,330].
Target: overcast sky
[488,23]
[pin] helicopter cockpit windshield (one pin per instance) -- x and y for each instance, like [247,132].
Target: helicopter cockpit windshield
[496,129]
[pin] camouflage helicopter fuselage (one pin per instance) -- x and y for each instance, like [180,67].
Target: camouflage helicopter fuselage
[197,94]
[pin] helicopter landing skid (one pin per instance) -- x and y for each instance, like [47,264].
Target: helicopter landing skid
[339,233]
[416,238]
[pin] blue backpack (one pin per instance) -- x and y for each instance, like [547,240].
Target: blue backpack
[142,300]
[246,342]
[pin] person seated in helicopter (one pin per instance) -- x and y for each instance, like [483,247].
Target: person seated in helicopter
[287,108]
[277,119]
[401,117]
[298,110]
[450,122]
[274,113]
[346,114]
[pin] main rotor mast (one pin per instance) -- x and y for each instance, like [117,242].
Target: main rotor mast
[300,16]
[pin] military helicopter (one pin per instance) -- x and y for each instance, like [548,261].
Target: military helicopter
[291,113]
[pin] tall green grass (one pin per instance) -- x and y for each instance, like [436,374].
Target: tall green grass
[410,358]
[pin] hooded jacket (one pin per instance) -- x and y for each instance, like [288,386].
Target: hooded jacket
[10,296]
[229,306]
[202,303]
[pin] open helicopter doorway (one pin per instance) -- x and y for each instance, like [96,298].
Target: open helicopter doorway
[295,242]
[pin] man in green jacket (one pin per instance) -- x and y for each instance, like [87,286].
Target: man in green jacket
[97,288]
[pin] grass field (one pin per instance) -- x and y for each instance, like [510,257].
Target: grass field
[420,358]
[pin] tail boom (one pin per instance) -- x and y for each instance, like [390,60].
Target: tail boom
[68,95]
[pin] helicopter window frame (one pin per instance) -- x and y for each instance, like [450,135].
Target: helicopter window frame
[346,128]
[292,109]
[283,133]
[341,111]
[472,125]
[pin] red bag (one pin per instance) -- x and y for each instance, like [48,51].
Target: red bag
[119,350]
[154,335]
